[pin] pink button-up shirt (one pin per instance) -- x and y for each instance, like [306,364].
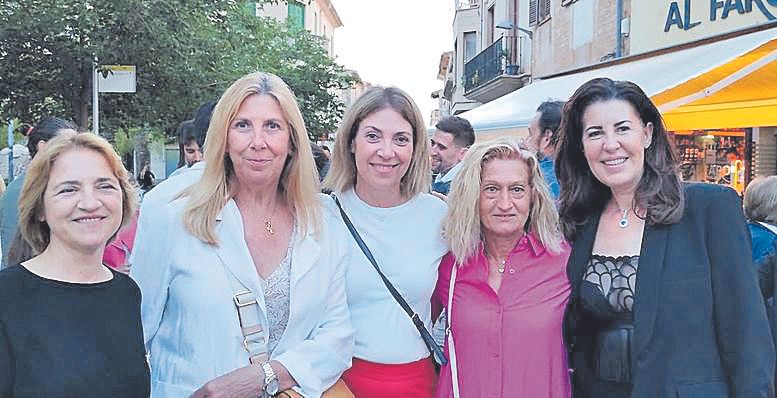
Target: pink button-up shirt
[508,343]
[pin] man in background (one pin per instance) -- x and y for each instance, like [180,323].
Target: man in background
[543,138]
[454,135]
[191,150]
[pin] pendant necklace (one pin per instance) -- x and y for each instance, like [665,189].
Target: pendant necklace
[268,221]
[500,264]
[624,222]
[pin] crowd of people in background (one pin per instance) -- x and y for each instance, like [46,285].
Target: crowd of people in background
[572,262]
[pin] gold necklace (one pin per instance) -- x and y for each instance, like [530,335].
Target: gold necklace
[268,221]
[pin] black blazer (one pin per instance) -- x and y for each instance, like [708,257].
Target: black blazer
[700,328]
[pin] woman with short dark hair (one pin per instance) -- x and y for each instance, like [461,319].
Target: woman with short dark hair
[665,300]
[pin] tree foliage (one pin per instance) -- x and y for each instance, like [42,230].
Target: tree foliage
[186,52]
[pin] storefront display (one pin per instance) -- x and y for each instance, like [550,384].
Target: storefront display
[717,157]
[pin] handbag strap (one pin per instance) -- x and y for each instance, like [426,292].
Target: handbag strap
[449,334]
[250,317]
[419,324]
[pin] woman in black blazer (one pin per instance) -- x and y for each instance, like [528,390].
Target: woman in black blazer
[665,300]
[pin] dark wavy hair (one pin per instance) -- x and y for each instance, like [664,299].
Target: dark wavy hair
[659,191]
[46,129]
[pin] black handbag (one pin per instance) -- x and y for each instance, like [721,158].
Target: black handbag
[431,345]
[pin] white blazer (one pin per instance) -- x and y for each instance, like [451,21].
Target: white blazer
[190,323]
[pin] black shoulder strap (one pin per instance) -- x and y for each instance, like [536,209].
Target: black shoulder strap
[419,324]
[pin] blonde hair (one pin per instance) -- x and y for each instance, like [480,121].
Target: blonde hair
[36,232]
[463,225]
[760,200]
[342,171]
[299,179]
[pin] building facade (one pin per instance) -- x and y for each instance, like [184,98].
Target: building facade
[319,17]
[709,65]
[491,53]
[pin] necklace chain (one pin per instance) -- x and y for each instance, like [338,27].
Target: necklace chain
[268,221]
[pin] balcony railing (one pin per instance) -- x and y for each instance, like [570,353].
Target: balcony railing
[503,57]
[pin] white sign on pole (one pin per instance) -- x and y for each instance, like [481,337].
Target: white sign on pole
[116,78]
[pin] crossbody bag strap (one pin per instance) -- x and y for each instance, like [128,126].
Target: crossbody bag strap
[250,317]
[449,334]
[419,324]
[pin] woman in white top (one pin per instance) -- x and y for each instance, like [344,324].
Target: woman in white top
[380,171]
[243,276]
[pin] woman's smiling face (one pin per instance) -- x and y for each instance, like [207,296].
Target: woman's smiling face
[614,142]
[383,149]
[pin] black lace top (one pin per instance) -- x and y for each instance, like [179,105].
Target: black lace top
[607,294]
[608,286]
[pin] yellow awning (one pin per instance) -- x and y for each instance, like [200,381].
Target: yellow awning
[740,93]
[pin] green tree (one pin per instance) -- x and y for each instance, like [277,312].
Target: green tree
[186,52]
[249,44]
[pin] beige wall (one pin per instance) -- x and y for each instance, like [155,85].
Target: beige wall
[321,22]
[576,35]
[650,19]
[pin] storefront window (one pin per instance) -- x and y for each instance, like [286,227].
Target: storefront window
[713,156]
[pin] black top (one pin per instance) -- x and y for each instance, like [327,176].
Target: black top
[607,294]
[61,339]
[608,286]
[700,328]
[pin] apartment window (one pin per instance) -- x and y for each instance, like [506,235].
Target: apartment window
[470,45]
[539,11]
[296,16]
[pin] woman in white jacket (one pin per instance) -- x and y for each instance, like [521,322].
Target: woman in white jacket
[243,275]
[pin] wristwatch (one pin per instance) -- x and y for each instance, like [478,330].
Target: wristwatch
[270,380]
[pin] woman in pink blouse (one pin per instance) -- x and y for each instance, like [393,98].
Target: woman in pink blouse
[508,261]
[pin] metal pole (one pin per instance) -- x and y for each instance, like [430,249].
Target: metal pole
[95,95]
[10,150]
[618,33]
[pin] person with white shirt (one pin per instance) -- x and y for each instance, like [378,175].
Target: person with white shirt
[451,140]
[243,273]
[380,172]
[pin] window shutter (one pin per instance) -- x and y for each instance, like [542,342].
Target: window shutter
[533,12]
[545,9]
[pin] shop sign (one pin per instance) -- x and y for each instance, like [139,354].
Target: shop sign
[665,23]
[116,78]
[718,10]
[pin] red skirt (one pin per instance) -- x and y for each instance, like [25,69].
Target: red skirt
[377,380]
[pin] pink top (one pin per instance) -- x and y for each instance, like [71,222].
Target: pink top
[117,252]
[508,343]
